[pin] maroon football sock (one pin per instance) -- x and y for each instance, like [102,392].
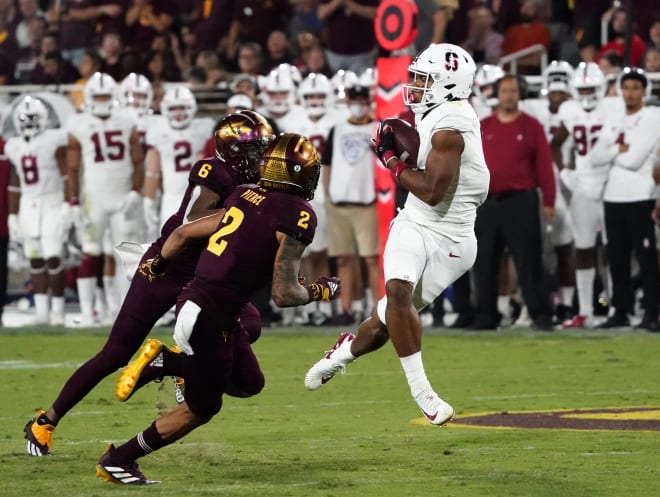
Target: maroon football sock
[142,444]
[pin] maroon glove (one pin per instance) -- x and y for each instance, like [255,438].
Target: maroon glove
[325,289]
[153,268]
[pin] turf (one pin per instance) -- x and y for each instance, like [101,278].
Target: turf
[360,435]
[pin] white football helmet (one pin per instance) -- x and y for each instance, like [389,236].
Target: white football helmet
[135,91]
[557,76]
[588,76]
[342,81]
[440,73]
[30,117]
[279,87]
[178,106]
[484,83]
[99,94]
[315,93]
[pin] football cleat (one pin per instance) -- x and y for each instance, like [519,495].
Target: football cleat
[575,323]
[128,474]
[146,368]
[325,369]
[39,435]
[435,410]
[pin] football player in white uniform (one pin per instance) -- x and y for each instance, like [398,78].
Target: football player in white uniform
[431,242]
[556,86]
[581,118]
[37,207]
[105,173]
[316,97]
[279,90]
[484,99]
[175,142]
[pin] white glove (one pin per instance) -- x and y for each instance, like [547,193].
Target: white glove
[15,234]
[65,217]
[77,217]
[151,214]
[130,206]
[185,322]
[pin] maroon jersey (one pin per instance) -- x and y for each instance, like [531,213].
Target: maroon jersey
[239,256]
[217,176]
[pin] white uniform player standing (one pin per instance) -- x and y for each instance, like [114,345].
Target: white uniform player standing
[106,172]
[316,96]
[279,90]
[175,142]
[582,119]
[37,155]
[431,241]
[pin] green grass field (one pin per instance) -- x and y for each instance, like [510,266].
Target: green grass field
[359,435]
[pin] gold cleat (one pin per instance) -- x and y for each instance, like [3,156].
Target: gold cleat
[129,378]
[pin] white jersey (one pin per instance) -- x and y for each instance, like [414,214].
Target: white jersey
[178,150]
[455,214]
[584,128]
[551,122]
[144,123]
[105,150]
[35,162]
[288,122]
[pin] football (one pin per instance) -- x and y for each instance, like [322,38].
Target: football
[406,140]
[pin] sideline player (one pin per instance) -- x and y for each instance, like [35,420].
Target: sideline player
[450,182]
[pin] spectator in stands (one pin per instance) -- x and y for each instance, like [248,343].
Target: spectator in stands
[53,69]
[9,18]
[617,37]
[5,169]
[531,30]
[654,34]
[652,60]
[305,18]
[28,57]
[254,20]
[184,49]
[483,42]
[611,63]
[278,50]
[434,16]
[130,61]
[208,60]
[250,59]
[77,25]
[341,17]
[6,68]
[520,161]
[90,63]
[147,18]
[246,84]
[213,24]
[316,62]
[111,50]
[29,9]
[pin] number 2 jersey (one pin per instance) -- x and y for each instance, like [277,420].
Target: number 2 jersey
[35,162]
[584,127]
[239,257]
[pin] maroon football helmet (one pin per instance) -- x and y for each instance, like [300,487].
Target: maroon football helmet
[240,140]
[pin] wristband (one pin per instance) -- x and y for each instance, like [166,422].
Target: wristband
[314,292]
[399,167]
[74,201]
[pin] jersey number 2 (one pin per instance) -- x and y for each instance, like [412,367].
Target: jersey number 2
[232,220]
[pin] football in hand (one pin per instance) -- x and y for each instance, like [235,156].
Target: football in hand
[406,140]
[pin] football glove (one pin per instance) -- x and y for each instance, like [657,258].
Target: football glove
[384,143]
[131,205]
[325,289]
[151,214]
[185,323]
[153,268]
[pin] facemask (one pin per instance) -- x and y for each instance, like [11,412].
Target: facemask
[358,111]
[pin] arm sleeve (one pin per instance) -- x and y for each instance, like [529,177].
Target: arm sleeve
[606,148]
[642,141]
[543,161]
[327,153]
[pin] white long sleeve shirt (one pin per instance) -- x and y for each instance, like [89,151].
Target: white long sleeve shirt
[630,176]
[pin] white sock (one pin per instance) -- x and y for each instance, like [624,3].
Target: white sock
[111,296]
[357,306]
[86,289]
[57,305]
[566,294]
[343,353]
[415,374]
[504,305]
[584,281]
[325,308]
[41,304]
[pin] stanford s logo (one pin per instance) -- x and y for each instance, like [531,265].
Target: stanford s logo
[451,61]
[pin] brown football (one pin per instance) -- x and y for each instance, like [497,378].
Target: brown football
[406,140]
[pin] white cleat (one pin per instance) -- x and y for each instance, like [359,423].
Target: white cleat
[325,369]
[435,410]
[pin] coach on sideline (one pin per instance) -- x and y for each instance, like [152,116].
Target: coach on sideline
[627,145]
[520,161]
